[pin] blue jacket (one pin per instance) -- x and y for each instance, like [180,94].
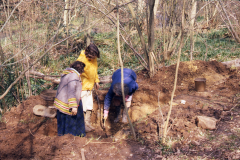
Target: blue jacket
[130,78]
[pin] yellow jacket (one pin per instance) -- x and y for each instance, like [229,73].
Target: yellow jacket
[89,76]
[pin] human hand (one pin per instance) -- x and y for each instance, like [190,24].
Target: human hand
[97,86]
[105,114]
[128,104]
[74,111]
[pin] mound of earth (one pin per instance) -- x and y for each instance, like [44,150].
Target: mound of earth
[26,136]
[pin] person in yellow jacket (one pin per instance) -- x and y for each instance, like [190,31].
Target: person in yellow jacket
[89,78]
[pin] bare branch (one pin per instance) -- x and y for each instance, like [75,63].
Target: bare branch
[10,15]
[230,24]
[22,74]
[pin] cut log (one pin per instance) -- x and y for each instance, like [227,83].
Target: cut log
[105,79]
[38,75]
[55,80]
[232,64]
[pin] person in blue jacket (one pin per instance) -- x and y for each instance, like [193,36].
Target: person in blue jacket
[115,93]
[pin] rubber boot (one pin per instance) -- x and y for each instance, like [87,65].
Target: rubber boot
[118,111]
[88,126]
[125,119]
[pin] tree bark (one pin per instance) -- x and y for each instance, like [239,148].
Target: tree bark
[156,7]
[164,33]
[66,18]
[88,24]
[139,30]
[140,6]
[28,79]
[1,74]
[192,20]
[151,38]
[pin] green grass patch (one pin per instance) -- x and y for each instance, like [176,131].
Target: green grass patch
[220,47]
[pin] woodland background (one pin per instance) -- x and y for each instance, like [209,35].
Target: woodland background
[45,36]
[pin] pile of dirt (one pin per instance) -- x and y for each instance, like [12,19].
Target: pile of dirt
[155,93]
[25,136]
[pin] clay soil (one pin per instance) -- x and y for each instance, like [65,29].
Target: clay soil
[26,136]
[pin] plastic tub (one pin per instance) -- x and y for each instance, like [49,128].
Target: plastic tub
[200,84]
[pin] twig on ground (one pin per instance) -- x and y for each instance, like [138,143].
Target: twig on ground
[30,132]
[87,143]
[92,150]
[99,137]
[82,153]
[208,155]
[233,108]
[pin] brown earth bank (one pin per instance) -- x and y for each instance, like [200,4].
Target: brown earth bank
[26,136]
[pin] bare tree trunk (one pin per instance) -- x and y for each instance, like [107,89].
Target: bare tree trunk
[70,11]
[75,10]
[20,32]
[138,29]
[20,46]
[53,8]
[171,12]
[122,78]
[1,75]
[88,24]
[176,75]
[140,6]
[151,38]
[207,14]
[215,10]
[164,33]
[230,24]
[156,7]
[8,8]
[2,54]
[192,20]
[66,18]
[9,23]
[28,79]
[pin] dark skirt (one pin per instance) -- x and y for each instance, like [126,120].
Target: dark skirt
[71,124]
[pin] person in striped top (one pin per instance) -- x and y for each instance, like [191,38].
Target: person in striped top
[70,119]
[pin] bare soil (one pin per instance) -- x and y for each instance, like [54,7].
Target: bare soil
[26,136]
